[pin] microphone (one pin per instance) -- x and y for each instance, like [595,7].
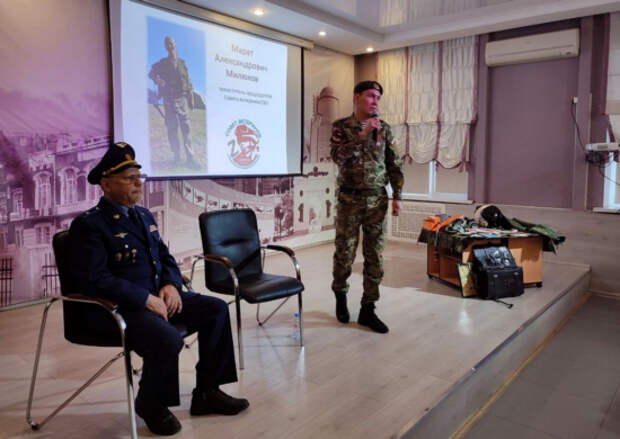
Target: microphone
[374,132]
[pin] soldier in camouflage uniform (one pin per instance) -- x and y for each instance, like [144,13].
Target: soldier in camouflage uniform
[173,83]
[364,149]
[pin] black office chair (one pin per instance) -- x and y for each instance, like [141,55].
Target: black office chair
[234,266]
[79,311]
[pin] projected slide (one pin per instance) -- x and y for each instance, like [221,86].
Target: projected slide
[198,99]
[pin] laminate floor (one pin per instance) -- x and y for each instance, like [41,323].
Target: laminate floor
[571,389]
[347,382]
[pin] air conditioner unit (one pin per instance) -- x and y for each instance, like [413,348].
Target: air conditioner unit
[539,47]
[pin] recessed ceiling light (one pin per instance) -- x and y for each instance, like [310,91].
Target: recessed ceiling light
[322,33]
[259,12]
[369,49]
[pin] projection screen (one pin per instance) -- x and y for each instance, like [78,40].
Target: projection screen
[197,99]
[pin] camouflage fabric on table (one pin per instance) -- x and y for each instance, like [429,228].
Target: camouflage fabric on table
[551,237]
[453,237]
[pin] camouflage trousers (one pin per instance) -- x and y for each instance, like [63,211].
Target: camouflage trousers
[177,116]
[369,212]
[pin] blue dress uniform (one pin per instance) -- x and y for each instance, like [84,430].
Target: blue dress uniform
[125,261]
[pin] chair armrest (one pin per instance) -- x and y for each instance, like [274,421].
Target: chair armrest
[217,258]
[280,248]
[187,282]
[289,252]
[211,258]
[109,305]
[220,260]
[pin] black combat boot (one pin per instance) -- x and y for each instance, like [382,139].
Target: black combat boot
[368,318]
[342,312]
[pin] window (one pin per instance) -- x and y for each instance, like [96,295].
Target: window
[81,187]
[434,182]
[94,192]
[18,200]
[43,233]
[43,191]
[69,187]
[19,237]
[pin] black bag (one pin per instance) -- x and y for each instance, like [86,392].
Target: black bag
[496,273]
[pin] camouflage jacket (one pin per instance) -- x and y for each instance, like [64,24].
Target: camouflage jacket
[176,77]
[369,164]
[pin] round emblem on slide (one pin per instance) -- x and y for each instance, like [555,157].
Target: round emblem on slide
[243,143]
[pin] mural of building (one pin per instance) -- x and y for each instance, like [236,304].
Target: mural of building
[314,200]
[43,187]
[325,112]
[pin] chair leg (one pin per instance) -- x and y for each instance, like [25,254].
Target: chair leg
[39,425]
[130,393]
[239,335]
[34,425]
[301,321]
[272,312]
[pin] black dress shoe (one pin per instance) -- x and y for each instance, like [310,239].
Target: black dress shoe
[342,312]
[368,318]
[158,419]
[216,401]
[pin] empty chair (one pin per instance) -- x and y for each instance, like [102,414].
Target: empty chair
[234,266]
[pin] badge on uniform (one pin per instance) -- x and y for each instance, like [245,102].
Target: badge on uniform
[120,235]
[152,228]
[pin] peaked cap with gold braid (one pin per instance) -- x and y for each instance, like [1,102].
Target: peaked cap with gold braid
[117,158]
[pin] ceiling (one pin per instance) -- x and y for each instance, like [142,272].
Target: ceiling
[351,26]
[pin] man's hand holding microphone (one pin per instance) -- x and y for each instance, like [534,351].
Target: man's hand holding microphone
[372,126]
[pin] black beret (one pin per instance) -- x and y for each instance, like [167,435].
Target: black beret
[367,85]
[117,158]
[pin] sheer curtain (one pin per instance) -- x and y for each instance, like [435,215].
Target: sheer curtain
[392,75]
[458,100]
[424,76]
[431,90]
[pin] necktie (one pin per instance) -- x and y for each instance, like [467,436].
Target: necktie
[133,216]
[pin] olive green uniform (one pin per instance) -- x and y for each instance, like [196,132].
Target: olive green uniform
[177,92]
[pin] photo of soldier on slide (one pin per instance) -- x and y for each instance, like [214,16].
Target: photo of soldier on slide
[177,109]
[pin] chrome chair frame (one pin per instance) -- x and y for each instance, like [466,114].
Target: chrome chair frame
[112,308]
[231,270]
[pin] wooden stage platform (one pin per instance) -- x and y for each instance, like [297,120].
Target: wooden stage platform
[442,359]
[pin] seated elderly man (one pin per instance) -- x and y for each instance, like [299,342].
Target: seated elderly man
[118,254]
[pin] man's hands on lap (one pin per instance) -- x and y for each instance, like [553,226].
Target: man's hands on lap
[167,303]
[170,295]
[157,306]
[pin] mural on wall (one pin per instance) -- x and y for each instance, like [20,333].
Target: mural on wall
[55,125]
